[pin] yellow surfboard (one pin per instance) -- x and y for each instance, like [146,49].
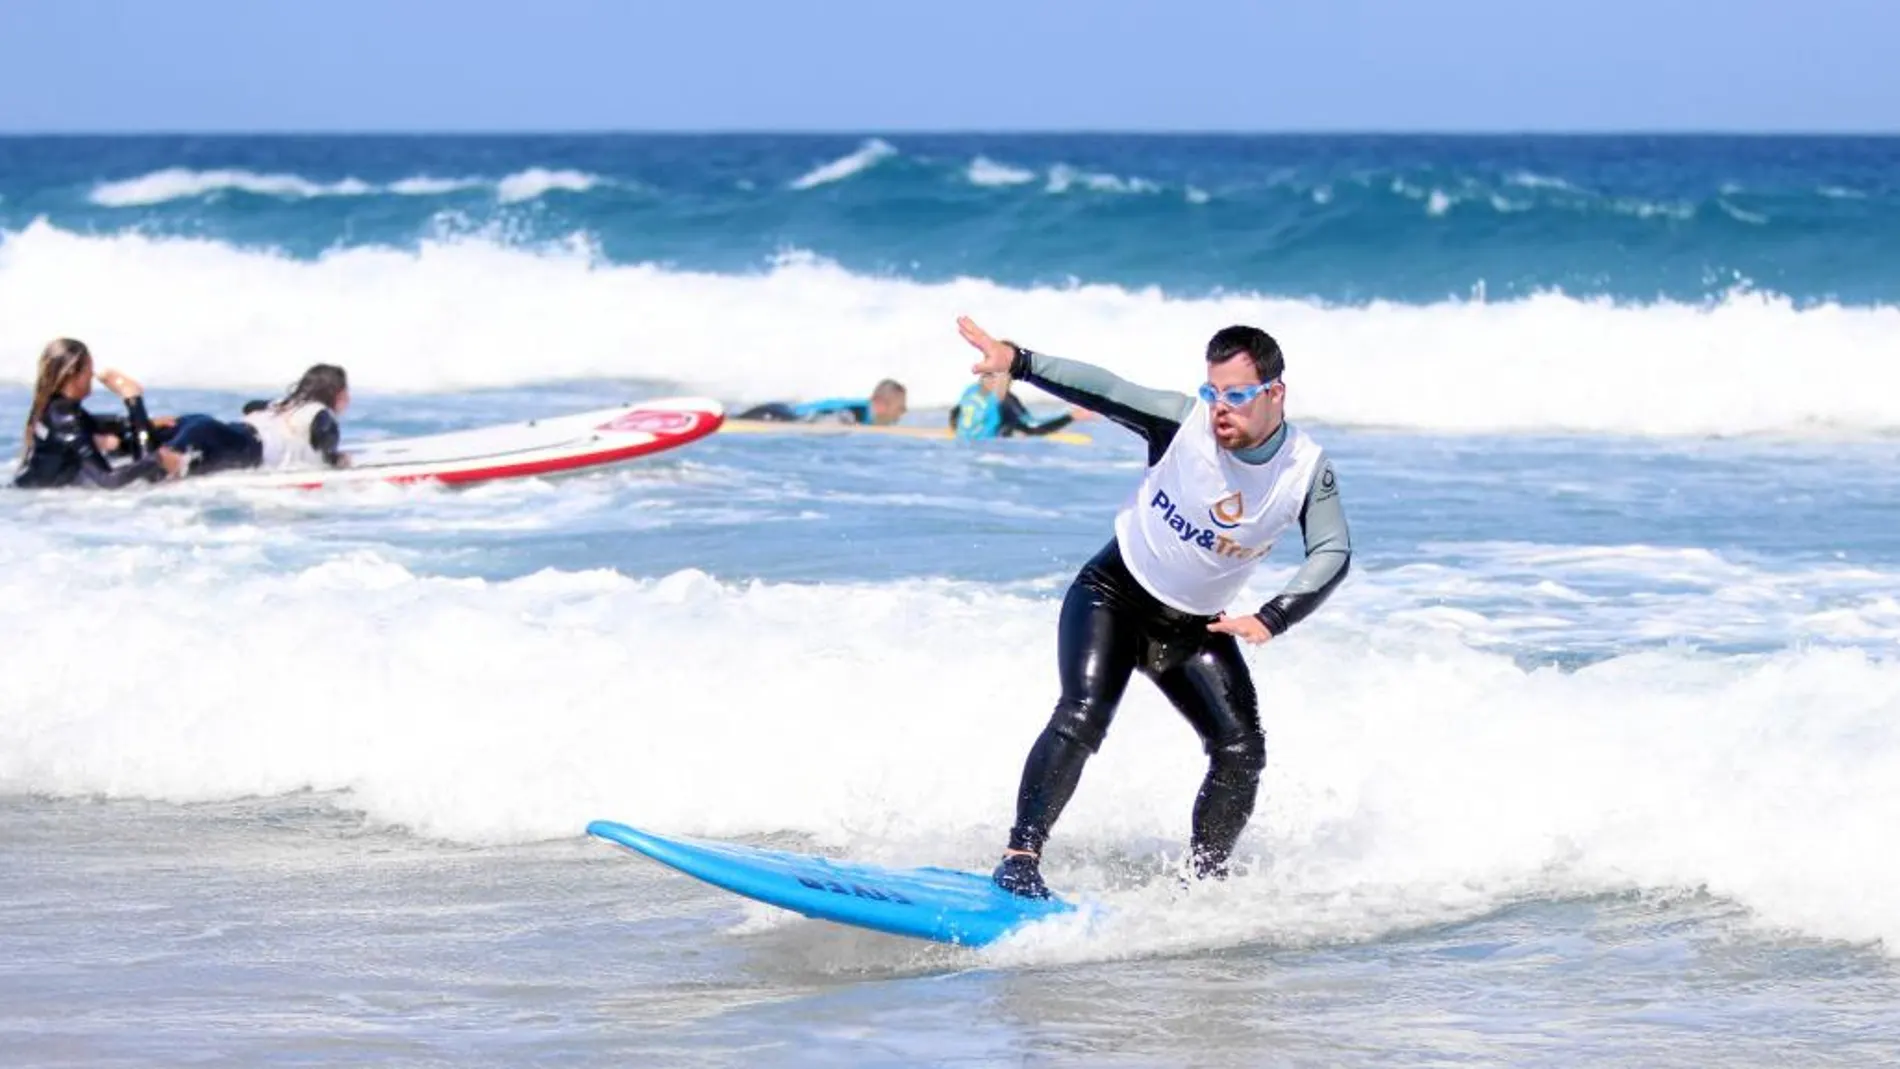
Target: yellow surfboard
[943,434]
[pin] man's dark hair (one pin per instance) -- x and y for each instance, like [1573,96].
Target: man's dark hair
[1256,343]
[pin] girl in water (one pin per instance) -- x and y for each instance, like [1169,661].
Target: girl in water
[302,430]
[65,445]
[298,431]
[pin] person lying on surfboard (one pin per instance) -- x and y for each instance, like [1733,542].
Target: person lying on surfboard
[300,430]
[1226,476]
[65,445]
[886,405]
[989,410]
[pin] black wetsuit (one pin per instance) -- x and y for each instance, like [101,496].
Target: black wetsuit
[216,444]
[1015,419]
[1111,626]
[65,454]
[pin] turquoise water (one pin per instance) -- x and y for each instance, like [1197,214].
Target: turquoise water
[1589,762]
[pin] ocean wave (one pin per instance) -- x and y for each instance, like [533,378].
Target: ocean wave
[866,156]
[1409,773]
[464,313]
[179,183]
[984,171]
[536,181]
[1062,178]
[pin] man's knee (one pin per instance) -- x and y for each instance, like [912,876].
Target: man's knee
[1244,757]
[1083,721]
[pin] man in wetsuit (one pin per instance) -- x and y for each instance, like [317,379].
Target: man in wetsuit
[1226,476]
[886,405]
[989,410]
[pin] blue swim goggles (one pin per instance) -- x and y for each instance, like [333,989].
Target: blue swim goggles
[1235,396]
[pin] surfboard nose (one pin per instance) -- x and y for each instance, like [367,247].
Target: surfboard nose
[616,832]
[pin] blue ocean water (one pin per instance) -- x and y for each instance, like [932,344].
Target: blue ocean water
[1339,219]
[1590,761]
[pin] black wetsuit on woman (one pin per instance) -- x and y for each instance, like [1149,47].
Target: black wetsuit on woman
[64,452]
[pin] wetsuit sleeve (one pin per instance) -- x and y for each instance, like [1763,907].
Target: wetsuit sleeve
[326,438]
[1016,419]
[1153,414]
[136,432]
[1328,554]
[147,470]
[133,430]
[70,430]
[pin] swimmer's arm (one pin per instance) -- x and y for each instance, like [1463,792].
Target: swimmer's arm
[1328,554]
[130,433]
[67,428]
[326,438]
[1153,414]
[138,426]
[1016,418]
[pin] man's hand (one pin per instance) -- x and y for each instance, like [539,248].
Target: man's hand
[997,355]
[1246,628]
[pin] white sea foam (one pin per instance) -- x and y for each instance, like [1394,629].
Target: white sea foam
[535,181]
[473,312]
[182,183]
[866,156]
[179,183]
[984,171]
[1412,776]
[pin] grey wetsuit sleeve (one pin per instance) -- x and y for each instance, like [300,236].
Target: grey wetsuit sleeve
[1153,414]
[1328,554]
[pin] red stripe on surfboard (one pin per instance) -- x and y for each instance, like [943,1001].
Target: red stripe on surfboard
[708,422]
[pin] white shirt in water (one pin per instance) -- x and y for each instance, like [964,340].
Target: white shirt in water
[1202,518]
[286,435]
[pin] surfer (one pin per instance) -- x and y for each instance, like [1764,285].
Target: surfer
[65,445]
[300,430]
[1226,476]
[989,410]
[886,405]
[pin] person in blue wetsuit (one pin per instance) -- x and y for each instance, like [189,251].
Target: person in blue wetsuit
[989,410]
[886,405]
[65,445]
[1226,476]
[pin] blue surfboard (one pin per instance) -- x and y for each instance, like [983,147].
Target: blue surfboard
[924,903]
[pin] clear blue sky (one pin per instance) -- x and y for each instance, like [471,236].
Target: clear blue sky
[858,65]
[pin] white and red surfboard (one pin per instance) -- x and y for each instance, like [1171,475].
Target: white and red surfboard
[506,451]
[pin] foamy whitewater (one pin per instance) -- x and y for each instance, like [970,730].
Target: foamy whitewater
[1593,760]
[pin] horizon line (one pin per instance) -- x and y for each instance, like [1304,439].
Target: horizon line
[871,131]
